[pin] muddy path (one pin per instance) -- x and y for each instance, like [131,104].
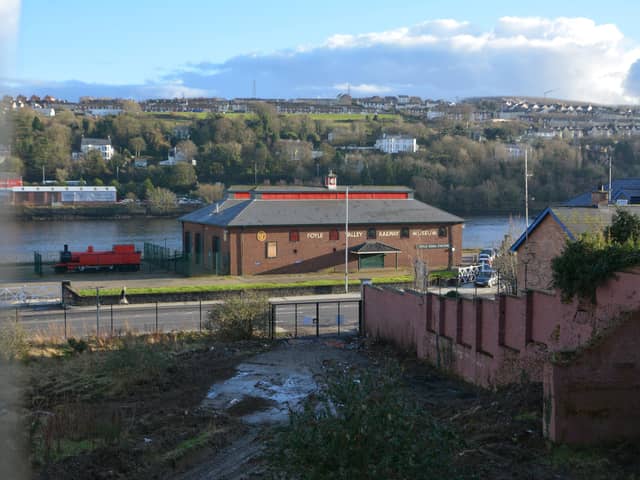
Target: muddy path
[261,393]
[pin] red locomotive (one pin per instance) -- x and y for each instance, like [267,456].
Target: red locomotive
[120,257]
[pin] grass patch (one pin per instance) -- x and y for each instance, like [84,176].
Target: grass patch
[362,425]
[191,445]
[88,292]
[444,274]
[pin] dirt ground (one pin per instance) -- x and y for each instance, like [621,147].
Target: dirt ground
[212,415]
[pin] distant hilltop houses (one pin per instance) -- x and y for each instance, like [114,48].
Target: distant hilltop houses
[548,118]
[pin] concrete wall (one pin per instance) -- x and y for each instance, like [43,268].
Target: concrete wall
[493,342]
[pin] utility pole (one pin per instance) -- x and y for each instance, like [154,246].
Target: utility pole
[526,214]
[609,193]
[526,195]
[346,240]
[97,311]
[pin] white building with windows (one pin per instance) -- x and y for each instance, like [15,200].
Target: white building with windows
[100,144]
[396,144]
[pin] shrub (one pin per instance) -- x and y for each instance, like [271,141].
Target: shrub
[363,426]
[77,346]
[589,262]
[240,318]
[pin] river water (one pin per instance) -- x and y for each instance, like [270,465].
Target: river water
[21,239]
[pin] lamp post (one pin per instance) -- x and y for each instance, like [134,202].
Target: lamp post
[346,239]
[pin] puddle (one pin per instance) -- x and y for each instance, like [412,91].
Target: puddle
[262,392]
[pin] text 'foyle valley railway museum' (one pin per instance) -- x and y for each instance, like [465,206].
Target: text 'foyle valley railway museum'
[295,229]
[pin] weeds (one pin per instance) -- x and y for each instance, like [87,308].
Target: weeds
[362,426]
[13,342]
[71,429]
[240,318]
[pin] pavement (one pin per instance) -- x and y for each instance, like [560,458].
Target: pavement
[23,276]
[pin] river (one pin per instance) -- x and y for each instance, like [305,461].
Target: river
[21,239]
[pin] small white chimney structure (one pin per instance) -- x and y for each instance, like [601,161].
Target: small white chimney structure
[331,181]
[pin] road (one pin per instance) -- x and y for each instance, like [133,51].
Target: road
[49,322]
[85,321]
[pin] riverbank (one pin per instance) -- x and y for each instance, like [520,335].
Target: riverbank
[116,211]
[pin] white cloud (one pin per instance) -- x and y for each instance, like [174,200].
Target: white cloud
[576,57]
[362,89]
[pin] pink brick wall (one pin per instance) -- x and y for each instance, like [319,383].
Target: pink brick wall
[595,397]
[505,344]
[492,342]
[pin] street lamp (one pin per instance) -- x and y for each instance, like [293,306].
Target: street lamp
[346,239]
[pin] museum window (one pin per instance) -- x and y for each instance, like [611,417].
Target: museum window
[272,249]
[334,235]
[442,232]
[294,236]
[371,234]
[404,232]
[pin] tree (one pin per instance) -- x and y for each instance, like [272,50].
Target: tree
[93,164]
[210,192]
[188,149]
[182,177]
[625,226]
[161,199]
[131,106]
[137,145]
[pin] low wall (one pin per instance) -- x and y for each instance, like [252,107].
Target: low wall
[72,297]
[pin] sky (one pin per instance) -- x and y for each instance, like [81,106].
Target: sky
[576,50]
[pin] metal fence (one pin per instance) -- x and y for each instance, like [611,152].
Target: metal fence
[186,264]
[314,318]
[282,319]
[167,259]
[109,320]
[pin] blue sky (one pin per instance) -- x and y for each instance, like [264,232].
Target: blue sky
[139,48]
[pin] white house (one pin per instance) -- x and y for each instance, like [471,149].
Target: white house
[176,155]
[100,144]
[396,144]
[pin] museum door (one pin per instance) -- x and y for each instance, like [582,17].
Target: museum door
[375,260]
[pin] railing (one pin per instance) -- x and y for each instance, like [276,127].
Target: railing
[29,295]
[303,317]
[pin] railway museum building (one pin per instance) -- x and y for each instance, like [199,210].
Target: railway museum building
[296,229]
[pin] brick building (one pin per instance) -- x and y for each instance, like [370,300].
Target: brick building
[547,235]
[294,229]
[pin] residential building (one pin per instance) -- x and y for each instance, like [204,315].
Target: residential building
[396,144]
[547,235]
[624,191]
[99,144]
